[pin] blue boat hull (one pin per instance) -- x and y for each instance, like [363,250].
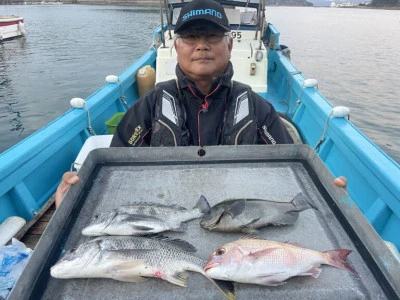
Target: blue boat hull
[31,170]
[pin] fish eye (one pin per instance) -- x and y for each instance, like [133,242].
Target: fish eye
[220,251]
[96,216]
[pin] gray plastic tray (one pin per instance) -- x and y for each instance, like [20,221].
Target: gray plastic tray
[113,177]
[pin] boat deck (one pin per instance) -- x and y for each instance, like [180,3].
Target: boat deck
[33,230]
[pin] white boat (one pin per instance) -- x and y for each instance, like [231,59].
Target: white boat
[11,27]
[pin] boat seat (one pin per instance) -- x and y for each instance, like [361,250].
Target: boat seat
[93,142]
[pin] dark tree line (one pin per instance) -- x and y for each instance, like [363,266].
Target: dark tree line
[385,3]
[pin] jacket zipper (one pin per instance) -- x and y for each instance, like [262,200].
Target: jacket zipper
[204,107]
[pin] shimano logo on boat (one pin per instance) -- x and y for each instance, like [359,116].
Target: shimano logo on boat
[199,12]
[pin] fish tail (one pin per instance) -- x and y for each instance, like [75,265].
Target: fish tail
[301,203]
[203,205]
[337,258]
[226,287]
[178,278]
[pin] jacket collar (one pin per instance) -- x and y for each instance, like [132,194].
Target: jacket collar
[224,79]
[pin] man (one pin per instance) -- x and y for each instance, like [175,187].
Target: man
[200,108]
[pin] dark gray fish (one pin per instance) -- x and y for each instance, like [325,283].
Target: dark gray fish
[144,218]
[132,259]
[247,215]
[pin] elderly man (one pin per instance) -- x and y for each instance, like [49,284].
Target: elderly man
[203,99]
[200,107]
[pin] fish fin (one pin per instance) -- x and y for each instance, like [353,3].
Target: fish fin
[143,203]
[123,271]
[269,280]
[203,205]
[226,287]
[179,278]
[314,272]
[128,278]
[251,236]
[337,258]
[177,242]
[236,208]
[301,203]
[274,282]
[246,229]
[182,228]
[143,228]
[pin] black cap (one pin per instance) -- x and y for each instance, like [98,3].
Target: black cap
[202,10]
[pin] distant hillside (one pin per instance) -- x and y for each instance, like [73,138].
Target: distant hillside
[385,3]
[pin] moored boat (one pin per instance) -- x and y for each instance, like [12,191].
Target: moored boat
[11,27]
[31,170]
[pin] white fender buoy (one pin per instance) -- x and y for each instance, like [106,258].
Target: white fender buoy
[340,111]
[112,79]
[21,28]
[310,82]
[77,103]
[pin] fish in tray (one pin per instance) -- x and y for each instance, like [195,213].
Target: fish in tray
[132,259]
[258,261]
[247,215]
[144,218]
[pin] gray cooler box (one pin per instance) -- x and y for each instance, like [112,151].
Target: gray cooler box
[119,176]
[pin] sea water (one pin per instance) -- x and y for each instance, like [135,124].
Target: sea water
[70,49]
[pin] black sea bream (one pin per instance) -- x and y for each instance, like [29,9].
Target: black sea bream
[247,215]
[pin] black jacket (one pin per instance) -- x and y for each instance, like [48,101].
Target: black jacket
[197,119]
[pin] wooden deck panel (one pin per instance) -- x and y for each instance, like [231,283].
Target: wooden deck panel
[33,230]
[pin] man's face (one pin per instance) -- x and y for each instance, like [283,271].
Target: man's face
[203,51]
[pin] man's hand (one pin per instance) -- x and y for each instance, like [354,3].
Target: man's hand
[67,180]
[341,181]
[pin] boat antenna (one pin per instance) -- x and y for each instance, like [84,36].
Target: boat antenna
[168,19]
[162,24]
[258,20]
[262,23]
